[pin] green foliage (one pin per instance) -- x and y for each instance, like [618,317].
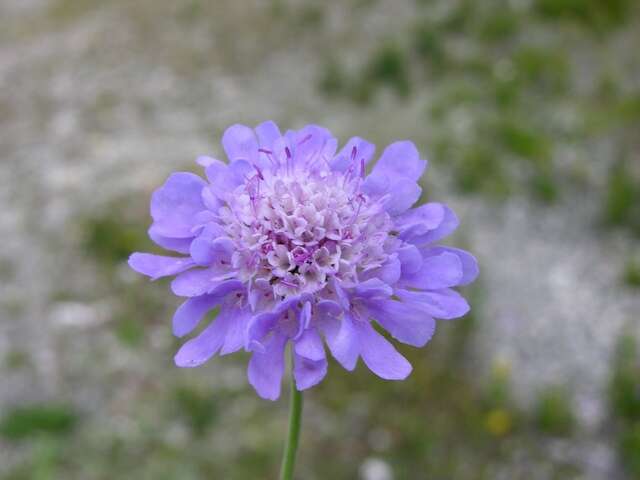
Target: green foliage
[429,47]
[499,25]
[480,169]
[389,66]
[554,412]
[27,421]
[543,68]
[111,238]
[199,408]
[597,14]
[130,331]
[624,388]
[624,401]
[17,359]
[333,81]
[630,449]
[622,198]
[631,275]
[521,140]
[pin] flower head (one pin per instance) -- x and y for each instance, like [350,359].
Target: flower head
[295,243]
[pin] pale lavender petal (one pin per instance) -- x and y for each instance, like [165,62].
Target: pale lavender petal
[240,143]
[198,282]
[175,205]
[401,158]
[401,192]
[410,259]
[310,143]
[225,178]
[470,268]
[267,133]
[200,349]
[235,338]
[404,193]
[207,248]
[205,160]
[445,304]
[309,345]
[266,368]
[308,373]
[423,235]
[189,314]
[421,219]
[404,322]
[438,271]
[356,152]
[210,200]
[180,245]
[372,288]
[389,273]
[157,266]
[344,343]
[379,355]
[258,328]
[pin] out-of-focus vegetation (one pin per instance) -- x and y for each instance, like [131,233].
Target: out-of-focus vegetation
[503,98]
[502,81]
[624,400]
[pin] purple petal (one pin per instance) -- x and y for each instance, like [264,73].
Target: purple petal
[380,356]
[198,282]
[309,345]
[210,200]
[355,151]
[267,133]
[403,159]
[240,143]
[206,248]
[344,342]
[225,178]
[469,263]
[189,314]
[180,245]
[205,160]
[402,192]
[404,322]
[258,328]
[175,205]
[418,234]
[200,349]
[157,266]
[235,338]
[438,271]
[372,288]
[410,259]
[308,373]
[266,368]
[311,143]
[445,304]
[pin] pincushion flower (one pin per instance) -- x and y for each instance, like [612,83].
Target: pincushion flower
[296,244]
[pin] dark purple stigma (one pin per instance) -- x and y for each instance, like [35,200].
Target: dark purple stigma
[305,139]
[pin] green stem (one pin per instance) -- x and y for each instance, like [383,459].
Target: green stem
[295,420]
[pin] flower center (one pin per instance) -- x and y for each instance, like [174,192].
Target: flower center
[295,232]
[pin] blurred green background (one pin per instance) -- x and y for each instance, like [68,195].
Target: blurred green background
[529,112]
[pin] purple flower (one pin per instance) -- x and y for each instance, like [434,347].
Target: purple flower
[295,243]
